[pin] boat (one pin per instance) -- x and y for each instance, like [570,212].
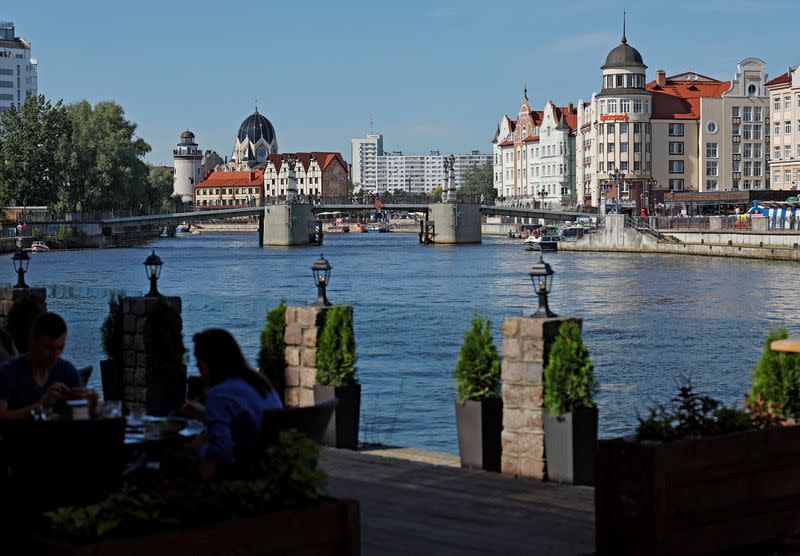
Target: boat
[380,228]
[545,238]
[573,233]
[532,243]
[362,228]
[39,247]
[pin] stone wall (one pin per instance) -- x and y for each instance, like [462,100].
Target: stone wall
[526,347]
[9,295]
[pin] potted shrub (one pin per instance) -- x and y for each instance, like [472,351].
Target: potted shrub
[166,366]
[112,333]
[271,359]
[336,377]
[776,378]
[479,407]
[570,416]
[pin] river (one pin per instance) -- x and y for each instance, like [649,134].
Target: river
[648,319]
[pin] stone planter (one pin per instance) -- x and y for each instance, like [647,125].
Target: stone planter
[479,424]
[569,446]
[327,527]
[697,496]
[111,377]
[342,431]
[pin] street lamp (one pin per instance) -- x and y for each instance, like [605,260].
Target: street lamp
[542,194]
[542,277]
[21,260]
[651,185]
[152,266]
[617,178]
[322,272]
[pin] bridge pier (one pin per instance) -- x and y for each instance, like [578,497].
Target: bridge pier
[287,224]
[456,222]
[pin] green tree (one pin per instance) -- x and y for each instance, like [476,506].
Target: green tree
[477,371]
[435,192]
[776,378]
[336,355]
[32,140]
[569,382]
[159,189]
[479,180]
[271,361]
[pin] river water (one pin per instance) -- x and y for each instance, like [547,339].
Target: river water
[648,319]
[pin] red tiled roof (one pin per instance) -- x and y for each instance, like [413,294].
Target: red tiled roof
[238,179]
[323,159]
[531,138]
[679,99]
[783,78]
[506,143]
[570,115]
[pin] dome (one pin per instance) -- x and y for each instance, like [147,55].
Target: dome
[187,135]
[256,127]
[623,55]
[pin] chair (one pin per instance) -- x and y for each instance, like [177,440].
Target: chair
[311,420]
[85,374]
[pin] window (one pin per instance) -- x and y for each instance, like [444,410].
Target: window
[746,184]
[757,168]
[637,128]
[624,106]
[787,151]
[637,147]
[787,176]
[676,130]
[748,168]
[748,132]
[776,128]
[676,147]
[751,89]
[637,166]
[620,80]
[612,106]
[736,129]
[637,108]
[711,150]
[711,185]
[712,127]
[734,111]
[798,100]
[676,185]
[735,185]
[798,151]
[777,104]
[611,147]
[756,184]
[676,166]
[623,165]
[611,129]
[756,150]
[623,147]
[747,113]
[757,132]
[712,168]
[736,148]
[787,127]
[601,166]
[787,103]
[736,166]
[756,113]
[602,107]
[623,127]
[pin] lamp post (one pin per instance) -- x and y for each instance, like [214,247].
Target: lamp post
[322,272]
[617,177]
[542,277]
[542,194]
[650,184]
[152,266]
[21,260]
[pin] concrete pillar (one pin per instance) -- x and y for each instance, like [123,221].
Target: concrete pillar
[526,348]
[715,223]
[9,295]
[760,223]
[615,220]
[456,222]
[145,380]
[287,224]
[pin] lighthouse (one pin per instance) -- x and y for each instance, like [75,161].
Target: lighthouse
[186,158]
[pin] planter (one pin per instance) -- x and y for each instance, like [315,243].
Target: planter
[479,424]
[111,377]
[569,446]
[342,431]
[697,496]
[327,527]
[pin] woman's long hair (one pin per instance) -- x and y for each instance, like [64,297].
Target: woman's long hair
[220,351]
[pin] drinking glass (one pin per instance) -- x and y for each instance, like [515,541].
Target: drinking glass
[112,409]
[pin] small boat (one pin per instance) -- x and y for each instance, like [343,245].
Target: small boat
[380,228]
[39,247]
[532,244]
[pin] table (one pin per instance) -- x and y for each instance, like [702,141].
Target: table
[789,345]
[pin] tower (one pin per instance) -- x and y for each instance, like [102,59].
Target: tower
[186,159]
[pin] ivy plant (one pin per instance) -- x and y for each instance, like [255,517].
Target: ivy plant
[336,352]
[569,381]
[477,371]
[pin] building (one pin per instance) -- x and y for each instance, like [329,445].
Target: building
[321,174]
[365,153]
[18,71]
[233,189]
[784,100]
[535,160]
[187,159]
[255,141]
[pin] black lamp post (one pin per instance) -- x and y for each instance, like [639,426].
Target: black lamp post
[322,272]
[542,277]
[21,260]
[152,265]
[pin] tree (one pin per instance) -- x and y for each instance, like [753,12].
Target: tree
[477,371]
[435,192]
[32,140]
[776,378]
[479,180]
[336,355]
[160,184]
[271,359]
[569,382]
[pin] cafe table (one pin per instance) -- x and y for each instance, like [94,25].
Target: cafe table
[151,440]
[789,345]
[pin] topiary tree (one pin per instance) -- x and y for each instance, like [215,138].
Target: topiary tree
[477,371]
[776,378]
[569,382]
[23,312]
[112,330]
[271,361]
[336,353]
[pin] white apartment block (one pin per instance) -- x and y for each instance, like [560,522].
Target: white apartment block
[18,71]
[365,153]
[784,106]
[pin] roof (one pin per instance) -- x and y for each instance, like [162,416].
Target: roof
[322,158]
[531,138]
[783,78]
[238,179]
[506,143]
[680,97]
[14,44]
[623,56]
[256,127]
[570,114]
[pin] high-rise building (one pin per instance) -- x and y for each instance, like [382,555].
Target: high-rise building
[18,71]
[365,153]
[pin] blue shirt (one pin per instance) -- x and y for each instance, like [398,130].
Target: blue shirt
[234,410]
[20,389]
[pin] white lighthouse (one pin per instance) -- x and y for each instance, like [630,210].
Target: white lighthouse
[186,159]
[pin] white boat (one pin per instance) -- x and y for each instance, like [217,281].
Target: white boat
[532,243]
[39,247]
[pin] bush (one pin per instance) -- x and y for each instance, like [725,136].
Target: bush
[20,319]
[569,382]
[64,233]
[163,337]
[336,354]
[477,371]
[776,378]
[271,361]
[112,330]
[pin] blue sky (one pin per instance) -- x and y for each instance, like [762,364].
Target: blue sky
[432,75]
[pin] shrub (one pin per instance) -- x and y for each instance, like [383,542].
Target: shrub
[477,371]
[112,330]
[776,378]
[20,319]
[271,361]
[163,337]
[64,233]
[336,354]
[569,382]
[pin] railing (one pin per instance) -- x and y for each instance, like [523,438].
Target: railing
[371,199]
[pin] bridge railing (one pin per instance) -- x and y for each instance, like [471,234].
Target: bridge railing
[372,199]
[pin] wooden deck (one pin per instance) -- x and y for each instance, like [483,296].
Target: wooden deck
[411,507]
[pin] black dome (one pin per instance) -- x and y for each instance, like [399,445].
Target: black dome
[255,127]
[187,135]
[623,55]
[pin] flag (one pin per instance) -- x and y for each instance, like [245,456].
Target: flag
[378,204]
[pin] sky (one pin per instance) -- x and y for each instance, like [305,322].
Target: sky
[435,75]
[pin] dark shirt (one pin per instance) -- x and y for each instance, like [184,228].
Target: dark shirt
[20,389]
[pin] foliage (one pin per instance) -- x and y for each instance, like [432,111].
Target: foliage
[159,190]
[477,371]
[336,354]
[435,192]
[479,180]
[163,337]
[271,361]
[288,477]
[569,382]
[112,331]
[23,312]
[64,233]
[776,378]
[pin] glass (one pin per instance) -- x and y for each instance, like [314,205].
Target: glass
[111,409]
[42,413]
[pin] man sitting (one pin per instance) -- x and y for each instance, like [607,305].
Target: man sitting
[40,378]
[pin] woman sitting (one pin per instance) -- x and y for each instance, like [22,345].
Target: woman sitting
[235,402]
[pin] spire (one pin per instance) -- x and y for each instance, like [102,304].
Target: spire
[624,39]
[525,92]
[256,105]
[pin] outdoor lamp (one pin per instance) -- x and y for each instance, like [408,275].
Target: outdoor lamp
[322,272]
[542,277]
[152,265]
[21,260]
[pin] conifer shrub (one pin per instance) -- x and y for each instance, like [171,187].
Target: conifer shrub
[112,331]
[336,351]
[477,371]
[271,361]
[569,382]
[776,378]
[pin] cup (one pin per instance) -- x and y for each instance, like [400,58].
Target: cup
[111,409]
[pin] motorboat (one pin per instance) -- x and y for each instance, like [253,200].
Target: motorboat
[39,247]
[532,243]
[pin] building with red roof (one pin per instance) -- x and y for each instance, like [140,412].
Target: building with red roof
[784,102]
